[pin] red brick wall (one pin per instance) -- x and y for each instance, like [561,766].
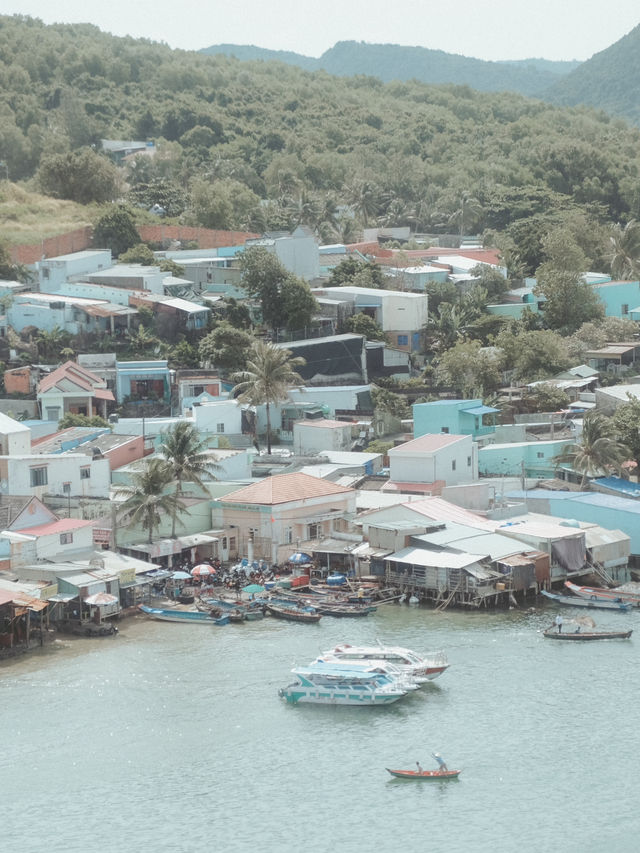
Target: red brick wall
[206,238]
[18,381]
[80,239]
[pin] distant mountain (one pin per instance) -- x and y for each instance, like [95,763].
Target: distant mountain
[394,62]
[610,80]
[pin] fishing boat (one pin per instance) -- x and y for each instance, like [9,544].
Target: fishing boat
[440,775]
[420,668]
[579,636]
[194,617]
[292,613]
[576,601]
[595,593]
[331,684]
[344,610]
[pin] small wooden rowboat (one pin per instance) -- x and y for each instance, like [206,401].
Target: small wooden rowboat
[552,634]
[425,774]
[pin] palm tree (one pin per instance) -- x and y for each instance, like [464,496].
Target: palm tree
[145,502]
[624,251]
[469,210]
[598,450]
[267,378]
[185,455]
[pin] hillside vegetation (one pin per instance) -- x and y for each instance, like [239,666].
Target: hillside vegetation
[333,153]
[395,62]
[610,80]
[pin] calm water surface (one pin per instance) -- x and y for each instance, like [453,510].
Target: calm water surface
[172,738]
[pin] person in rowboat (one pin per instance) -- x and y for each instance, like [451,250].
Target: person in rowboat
[442,767]
[420,770]
[558,623]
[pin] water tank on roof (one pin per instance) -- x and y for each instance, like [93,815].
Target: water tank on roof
[569,522]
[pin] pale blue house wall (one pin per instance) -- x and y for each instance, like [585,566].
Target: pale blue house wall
[512,309]
[448,416]
[618,297]
[536,456]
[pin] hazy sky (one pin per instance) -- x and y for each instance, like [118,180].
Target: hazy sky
[487,29]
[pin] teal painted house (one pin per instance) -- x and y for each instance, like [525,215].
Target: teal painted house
[458,417]
[531,458]
[619,298]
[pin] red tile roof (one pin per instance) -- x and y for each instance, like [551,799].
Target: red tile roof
[285,488]
[63,525]
[72,372]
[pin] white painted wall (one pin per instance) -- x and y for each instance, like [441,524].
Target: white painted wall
[310,440]
[455,463]
[61,468]
[15,437]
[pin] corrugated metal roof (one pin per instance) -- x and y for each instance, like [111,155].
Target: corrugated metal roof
[284,488]
[435,559]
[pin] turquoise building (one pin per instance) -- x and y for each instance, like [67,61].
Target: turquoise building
[458,417]
[528,458]
[619,298]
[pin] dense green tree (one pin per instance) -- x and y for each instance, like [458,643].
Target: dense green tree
[115,230]
[471,369]
[138,254]
[534,355]
[357,273]
[226,347]
[493,282]
[83,176]
[569,301]
[51,343]
[187,460]
[267,379]
[298,303]
[597,452]
[624,250]
[71,420]
[388,401]
[546,397]
[362,324]
[626,422]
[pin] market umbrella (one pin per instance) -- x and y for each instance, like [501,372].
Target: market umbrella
[181,576]
[203,570]
[300,558]
[100,599]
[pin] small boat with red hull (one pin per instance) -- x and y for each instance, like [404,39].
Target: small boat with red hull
[433,775]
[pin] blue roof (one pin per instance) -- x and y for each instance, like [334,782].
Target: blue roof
[593,498]
[481,410]
[625,487]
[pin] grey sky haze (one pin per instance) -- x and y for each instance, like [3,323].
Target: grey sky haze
[486,29]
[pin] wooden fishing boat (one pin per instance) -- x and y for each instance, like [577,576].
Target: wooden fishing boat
[579,636]
[595,593]
[344,610]
[598,604]
[440,775]
[194,617]
[293,614]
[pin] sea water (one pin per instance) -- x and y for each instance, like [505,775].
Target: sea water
[172,737]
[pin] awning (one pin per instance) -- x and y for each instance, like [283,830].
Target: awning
[29,603]
[196,539]
[481,410]
[62,597]
[101,599]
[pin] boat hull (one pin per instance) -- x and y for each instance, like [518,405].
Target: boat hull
[433,775]
[186,617]
[298,694]
[598,604]
[594,593]
[582,636]
[292,615]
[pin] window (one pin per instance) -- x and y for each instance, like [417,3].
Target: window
[53,413]
[232,543]
[403,340]
[444,429]
[219,427]
[468,461]
[624,308]
[45,272]
[314,531]
[66,538]
[288,535]
[453,464]
[39,477]
[224,543]
[85,473]
[540,455]
[66,488]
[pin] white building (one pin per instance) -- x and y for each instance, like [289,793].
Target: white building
[59,474]
[54,272]
[311,437]
[15,437]
[449,459]
[400,314]
[297,252]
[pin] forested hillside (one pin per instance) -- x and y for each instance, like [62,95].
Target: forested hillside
[610,80]
[266,145]
[395,62]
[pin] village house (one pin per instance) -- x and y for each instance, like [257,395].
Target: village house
[458,417]
[271,518]
[432,462]
[71,389]
[313,436]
